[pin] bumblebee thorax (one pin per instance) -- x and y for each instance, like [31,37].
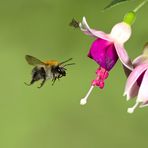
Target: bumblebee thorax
[52,63]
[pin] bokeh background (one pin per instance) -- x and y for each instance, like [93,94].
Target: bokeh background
[51,117]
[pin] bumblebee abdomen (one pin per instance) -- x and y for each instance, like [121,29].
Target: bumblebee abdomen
[38,73]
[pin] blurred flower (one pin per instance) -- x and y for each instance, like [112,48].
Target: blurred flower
[106,50]
[137,81]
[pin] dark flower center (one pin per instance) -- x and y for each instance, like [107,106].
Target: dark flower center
[139,80]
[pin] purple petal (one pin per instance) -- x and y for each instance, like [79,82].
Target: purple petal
[139,80]
[123,56]
[104,53]
[143,92]
[132,80]
[92,32]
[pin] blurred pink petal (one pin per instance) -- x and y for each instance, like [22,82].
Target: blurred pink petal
[133,91]
[132,80]
[140,60]
[143,91]
[137,82]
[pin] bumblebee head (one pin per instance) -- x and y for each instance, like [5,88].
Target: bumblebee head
[61,71]
[61,67]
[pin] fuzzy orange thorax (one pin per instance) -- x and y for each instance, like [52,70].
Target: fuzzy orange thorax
[52,63]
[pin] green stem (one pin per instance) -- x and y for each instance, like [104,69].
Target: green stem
[140,5]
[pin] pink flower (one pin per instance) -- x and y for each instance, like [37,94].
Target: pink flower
[105,51]
[137,82]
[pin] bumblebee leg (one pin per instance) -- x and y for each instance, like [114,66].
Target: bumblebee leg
[43,75]
[53,81]
[32,81]
[60,76]
[42,83]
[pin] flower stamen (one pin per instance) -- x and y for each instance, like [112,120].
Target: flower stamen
[102,74]
[84,100]
[132,109]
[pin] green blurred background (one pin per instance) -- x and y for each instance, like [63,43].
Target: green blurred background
[51,117]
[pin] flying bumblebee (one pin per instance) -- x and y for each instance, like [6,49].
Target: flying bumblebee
[51,69]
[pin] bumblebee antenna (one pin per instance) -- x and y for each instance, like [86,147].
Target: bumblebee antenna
[69,64]
[65,61]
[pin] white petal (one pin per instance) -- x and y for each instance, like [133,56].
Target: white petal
[121,32]
[92,32]
[131,85]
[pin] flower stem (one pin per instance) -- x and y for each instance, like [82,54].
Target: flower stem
[130,17]
[140,5]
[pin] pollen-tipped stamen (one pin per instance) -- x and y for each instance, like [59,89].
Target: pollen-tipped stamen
[102,74]
[84,100]
[132,109]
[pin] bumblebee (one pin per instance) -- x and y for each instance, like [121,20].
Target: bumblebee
[51,69]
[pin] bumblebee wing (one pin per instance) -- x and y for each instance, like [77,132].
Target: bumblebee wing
[33,61]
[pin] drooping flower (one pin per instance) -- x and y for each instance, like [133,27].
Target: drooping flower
[137,82]
[105,51]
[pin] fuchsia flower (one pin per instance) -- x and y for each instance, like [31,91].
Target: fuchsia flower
[105,51]
[137,82]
